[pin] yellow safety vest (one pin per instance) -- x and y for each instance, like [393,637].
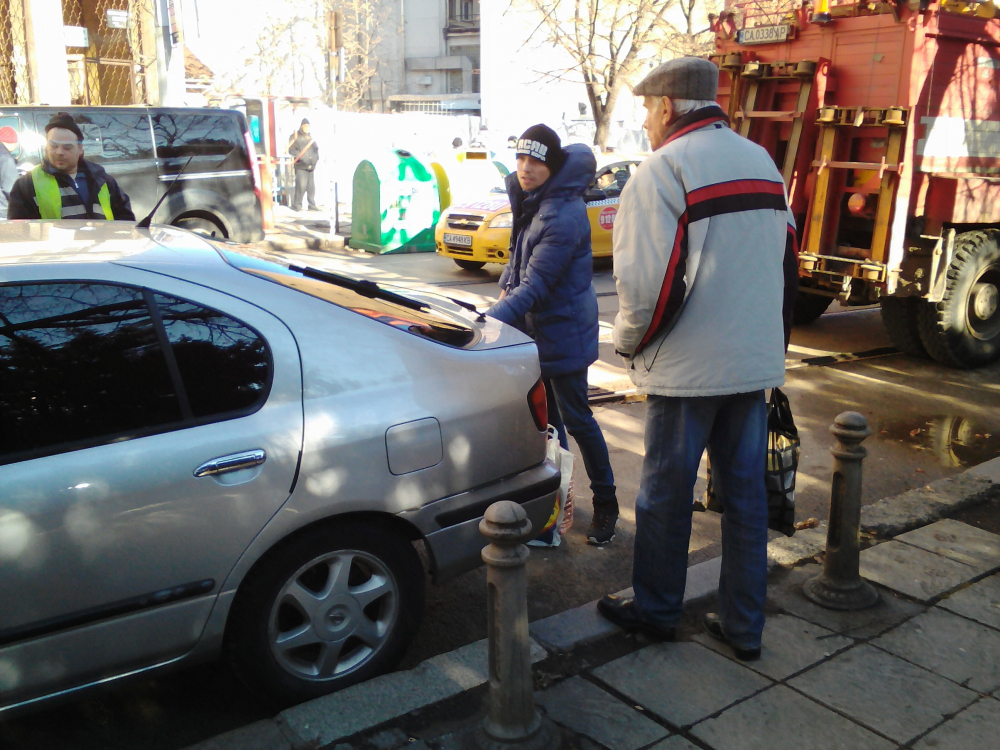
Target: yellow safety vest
[50,202]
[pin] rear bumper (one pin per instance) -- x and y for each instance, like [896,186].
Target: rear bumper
[450,526]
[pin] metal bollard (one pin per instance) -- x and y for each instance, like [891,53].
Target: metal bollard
[840,585]
[513,720]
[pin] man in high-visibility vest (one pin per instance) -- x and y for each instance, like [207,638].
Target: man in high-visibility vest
[65,185]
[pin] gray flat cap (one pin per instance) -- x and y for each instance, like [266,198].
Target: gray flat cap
[683,78]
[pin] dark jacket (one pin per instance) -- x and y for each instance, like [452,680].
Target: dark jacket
[310,158]
[548,280]
[22,203]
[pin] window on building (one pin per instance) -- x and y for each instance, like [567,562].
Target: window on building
[471,51]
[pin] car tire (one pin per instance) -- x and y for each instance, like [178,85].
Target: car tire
[963,329]
[901,317]
[331,607]
[198,225]
[808,307]
[469,265]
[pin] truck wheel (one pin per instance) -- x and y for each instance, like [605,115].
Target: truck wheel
[808,307]
[332,607]
[963,329]
[469,265]
[901,316]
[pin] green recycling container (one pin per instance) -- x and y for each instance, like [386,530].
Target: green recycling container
[396,205]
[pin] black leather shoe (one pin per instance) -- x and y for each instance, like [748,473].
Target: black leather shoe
[713,626]
[621,611]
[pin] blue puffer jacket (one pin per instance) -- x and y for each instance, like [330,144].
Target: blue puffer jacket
[548,280]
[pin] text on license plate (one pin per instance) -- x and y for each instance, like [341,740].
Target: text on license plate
[464,240]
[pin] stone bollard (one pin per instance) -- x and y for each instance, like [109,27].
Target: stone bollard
[840,585]
[513,720]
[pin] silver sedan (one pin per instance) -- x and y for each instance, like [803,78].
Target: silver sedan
[202,451]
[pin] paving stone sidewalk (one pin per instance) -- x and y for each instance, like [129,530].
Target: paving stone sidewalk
[919,670]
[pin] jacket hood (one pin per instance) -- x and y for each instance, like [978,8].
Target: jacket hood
[572,181]
[577,173]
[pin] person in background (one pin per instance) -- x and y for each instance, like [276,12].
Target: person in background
[65,185]
[305,156]
[8,166]
[547,292]
[705,213]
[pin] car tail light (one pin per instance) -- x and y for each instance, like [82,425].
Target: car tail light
[539,406]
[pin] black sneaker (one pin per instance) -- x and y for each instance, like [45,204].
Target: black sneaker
[621,611]
[713,626]
[602,527]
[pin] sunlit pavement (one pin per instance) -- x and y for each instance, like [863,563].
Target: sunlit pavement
[927,422]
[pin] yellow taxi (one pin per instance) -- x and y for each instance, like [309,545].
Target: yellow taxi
[478,232]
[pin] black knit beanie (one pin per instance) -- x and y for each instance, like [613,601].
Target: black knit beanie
[542,142]
[65,121]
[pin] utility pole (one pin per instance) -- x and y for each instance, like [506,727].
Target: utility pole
[334,53]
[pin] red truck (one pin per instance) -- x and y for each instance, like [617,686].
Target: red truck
[884,119]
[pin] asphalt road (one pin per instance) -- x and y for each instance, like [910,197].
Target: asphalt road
[927,422]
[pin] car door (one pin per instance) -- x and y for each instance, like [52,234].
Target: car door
[150,428]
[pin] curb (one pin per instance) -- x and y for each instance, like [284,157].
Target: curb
[279,243]
[365,706]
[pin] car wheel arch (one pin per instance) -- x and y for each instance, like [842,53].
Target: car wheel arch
[397,524]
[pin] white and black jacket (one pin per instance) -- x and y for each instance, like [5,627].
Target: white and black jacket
[705,264]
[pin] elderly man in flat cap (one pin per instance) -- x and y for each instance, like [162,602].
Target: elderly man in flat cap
[705,264]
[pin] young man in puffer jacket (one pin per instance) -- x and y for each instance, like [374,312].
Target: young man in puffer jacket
[548,294]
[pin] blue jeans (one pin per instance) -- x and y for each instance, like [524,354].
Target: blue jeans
[569,410]
[734,429]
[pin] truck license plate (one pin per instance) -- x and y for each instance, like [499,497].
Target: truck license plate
[464,240]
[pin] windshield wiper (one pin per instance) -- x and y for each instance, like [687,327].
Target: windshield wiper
[362,286]
[468,306]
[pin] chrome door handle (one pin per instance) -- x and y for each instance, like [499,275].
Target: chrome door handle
[232,462]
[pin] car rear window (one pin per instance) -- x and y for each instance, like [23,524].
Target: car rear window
[425,322]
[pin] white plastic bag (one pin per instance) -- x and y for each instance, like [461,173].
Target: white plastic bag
[562,512]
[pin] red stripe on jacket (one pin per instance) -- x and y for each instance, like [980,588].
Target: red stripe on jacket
[668,282]
[735,187]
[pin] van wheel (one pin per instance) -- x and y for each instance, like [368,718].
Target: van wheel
[204,227]
[469,265]
[335,606]
[808,307]
[901,317]
[963,329]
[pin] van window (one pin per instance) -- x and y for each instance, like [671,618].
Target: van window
[183,135]
[109,137]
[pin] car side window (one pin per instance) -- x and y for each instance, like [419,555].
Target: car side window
[110,137]
[224,364]
[85,364]
[210,139]
[116,136]
[80,364]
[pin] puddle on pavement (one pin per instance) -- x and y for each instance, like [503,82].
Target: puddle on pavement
[952,441]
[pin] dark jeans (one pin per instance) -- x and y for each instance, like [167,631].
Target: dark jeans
[734,429]
[570,410]
[305,183]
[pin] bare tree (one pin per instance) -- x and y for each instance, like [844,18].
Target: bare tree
[291,53]
[609,40]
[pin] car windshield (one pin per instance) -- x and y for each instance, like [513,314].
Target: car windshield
[361,297]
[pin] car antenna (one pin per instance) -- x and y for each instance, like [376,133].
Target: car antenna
[145,222]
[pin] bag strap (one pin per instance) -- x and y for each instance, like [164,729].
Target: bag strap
[303,151]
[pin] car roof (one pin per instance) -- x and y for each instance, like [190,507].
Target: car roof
[54,242]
